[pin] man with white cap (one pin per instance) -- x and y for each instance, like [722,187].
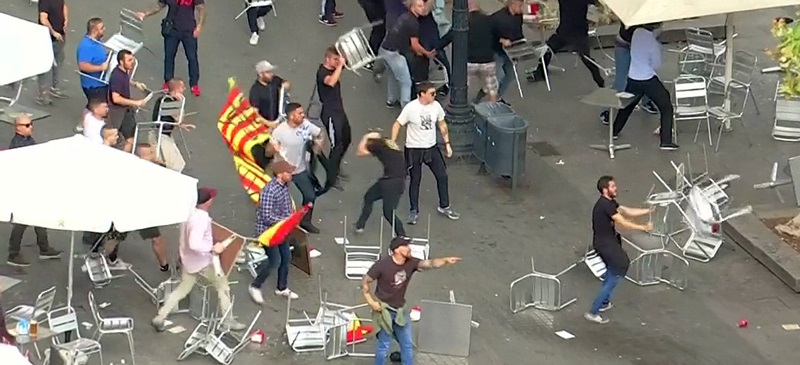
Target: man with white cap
[265,93]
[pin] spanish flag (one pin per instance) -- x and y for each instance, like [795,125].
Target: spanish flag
[240,129]
[276,234]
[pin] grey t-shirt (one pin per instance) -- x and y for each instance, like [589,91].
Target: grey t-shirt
[292,142]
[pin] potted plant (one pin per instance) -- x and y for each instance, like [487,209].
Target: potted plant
[787,53]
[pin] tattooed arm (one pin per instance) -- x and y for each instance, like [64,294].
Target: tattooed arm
[366,281]
[437,263]
[152,11]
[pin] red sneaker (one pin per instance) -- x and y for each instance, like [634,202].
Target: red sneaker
[196,90]
[166,86]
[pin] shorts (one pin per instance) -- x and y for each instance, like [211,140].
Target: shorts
[150,233]
[124,120]
[486,72]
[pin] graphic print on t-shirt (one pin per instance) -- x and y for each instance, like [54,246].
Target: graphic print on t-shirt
[426,122]
[400,278]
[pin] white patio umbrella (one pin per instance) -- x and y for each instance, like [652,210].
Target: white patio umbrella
[26,47]
[10,355]
[72,184]
[636,12]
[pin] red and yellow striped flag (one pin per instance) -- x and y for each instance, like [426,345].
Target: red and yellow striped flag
[276,234]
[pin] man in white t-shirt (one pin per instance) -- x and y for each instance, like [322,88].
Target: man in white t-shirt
[290,139]
[95,120]
[421,117]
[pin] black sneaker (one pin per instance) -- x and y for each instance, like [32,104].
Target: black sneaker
[604,117]
[310,228]
[606,307]
[328,22]
[357,230]
[49,254]
[668,147]
[17,260]
[649,107]
[503,101]
[392,104]
[163,268]
[535,77]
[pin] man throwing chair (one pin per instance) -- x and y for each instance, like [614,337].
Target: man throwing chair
[392,275]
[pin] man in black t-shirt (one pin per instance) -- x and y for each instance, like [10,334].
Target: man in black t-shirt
[607,216]
[481,64]
[53,14]
[122,108]
[402,41]
[265,94]
[333,117]
[392,275]
[389,187]
[508,28]
[180,26]
[573,30]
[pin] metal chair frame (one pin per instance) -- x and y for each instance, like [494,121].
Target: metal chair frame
[217,345]
[744,68]
[112,325]
[691,103]
[702,41]
[354,47]
[735,110]
[359,258]
[420,247]
[522,50]
[786,126]
[545,292]
[13,100]
[130,37]
[38,311]
[158,295]
[175,109]
[257,4]
[65,320]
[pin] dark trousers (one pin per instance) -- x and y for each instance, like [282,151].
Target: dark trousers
[375,12]
[95,93]
[389,190]
[97,241]
[433,158]
[305,184]
[330,8]
[558,42]
[655,90]
[340,135]
[15,241]
[277,257]
[171,43]
[439,43]
[253,14]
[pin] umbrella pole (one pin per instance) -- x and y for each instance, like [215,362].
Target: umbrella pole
[71,266]
[730,30]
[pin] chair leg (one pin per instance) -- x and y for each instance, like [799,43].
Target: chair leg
[708,126]
[36,348]
[753,97]
[719,133]
[516,77]
[546,72]
[697,131]
[130,343]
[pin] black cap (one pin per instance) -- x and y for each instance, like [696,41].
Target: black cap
[399,241]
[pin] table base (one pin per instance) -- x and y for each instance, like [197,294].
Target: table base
[611,148]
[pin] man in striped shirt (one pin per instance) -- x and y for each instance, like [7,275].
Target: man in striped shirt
[274,205]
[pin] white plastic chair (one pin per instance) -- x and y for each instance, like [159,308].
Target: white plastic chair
[111,326]
[691,103]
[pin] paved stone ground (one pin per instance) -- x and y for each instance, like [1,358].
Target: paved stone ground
[495,236]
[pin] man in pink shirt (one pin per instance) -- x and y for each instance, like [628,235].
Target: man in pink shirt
[197,249]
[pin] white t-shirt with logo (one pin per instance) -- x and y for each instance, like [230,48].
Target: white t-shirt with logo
[293,141]
[420,122]
[93,128]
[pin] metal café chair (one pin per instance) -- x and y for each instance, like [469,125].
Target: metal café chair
[786,126]
[693,63]
[522,50]
[702,41]
[737,97]
[354,47]
[691,103]
[744,67]
[111,326]
[64,320]
[38,311]
[249,4]
[154,131]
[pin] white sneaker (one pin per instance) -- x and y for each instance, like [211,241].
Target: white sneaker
[255,295]
[118,265]
[287,293]
[254,39]
[260,23]
[596,318]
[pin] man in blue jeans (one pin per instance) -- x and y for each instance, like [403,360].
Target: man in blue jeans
[290,139]
[180,26]
[607,215]
[622,63]
[392,275]
[402,41]
[274,205]
[508,28]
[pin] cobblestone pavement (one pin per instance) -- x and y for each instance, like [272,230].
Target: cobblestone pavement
[495,236]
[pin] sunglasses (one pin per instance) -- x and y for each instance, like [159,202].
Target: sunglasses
[25,125]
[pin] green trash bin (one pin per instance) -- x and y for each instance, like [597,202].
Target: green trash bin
[506,143]
[483,113]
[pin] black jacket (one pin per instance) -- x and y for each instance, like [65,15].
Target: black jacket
[21,141]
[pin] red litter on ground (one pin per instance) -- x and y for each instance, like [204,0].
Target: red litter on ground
[743,323]
[258,337]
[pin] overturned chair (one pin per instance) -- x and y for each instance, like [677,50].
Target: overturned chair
[251,4]
[420,247]
[652,263]
[169,115]
[158,295]
[212,339]
[130,37]
[539,290]
[359,258]
[354,47]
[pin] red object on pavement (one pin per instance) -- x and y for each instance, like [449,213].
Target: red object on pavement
[258,337]
[276,234]
[743,323]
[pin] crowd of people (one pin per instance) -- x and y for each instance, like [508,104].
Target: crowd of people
[407,36]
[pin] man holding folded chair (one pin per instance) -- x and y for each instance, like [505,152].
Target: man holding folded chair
[197,250]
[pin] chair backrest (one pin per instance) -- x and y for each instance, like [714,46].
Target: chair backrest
[690,94]
[744,67]
[355,49]
[701,40]
[44,302]
[94,309]
[63,320]
[130,26]
[737,94]
[173,108]
[246,338]
[787,109]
